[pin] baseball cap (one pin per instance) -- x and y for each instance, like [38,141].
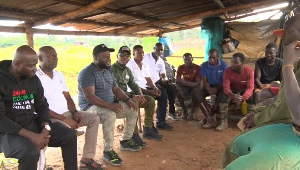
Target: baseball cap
[124,48]
[101,48]
[278,32]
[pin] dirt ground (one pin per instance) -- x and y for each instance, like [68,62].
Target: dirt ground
[187,147]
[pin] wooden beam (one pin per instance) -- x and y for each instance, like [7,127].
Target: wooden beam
[221,5]
[29,34]
[99,24]
[180,29]
[200,15]
[62,32]
[72,14]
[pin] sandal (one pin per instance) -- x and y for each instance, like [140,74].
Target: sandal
[88,166]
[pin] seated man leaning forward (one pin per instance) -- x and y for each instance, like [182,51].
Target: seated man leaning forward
[268,73]
[212,78]
[141,76]
[188,83]
[274,145]
[97,87]
[124,78]
[62,107]
[238,84]
[25,126]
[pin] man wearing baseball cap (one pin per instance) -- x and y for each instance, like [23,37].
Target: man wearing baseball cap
[97,88]
[125,79]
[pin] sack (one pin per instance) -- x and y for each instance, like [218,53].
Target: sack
[227,45]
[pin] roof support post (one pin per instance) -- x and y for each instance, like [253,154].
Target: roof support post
[29,34]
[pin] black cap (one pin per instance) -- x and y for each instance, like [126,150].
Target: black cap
[124,48]
[101,48]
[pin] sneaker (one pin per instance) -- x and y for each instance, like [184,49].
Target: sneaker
[156,131]
[112,158]
[173,117]
[129,145]
[149,133]
[138,140]
[164,126]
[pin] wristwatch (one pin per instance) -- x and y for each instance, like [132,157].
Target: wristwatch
[47,127]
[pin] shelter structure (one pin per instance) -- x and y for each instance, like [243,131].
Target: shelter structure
[137,18]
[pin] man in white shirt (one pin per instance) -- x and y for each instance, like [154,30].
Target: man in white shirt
[142,77]
[62,107]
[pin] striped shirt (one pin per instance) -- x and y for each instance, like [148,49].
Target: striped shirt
[103,81]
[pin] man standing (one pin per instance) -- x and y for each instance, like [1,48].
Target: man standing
[212,78]
[97,87]
[25,126]
[157,72]
[238,84]
[124,78]
[188,83]
[62,107]
[141,76]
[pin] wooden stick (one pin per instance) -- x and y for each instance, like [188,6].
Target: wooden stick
[29,34]
[62,32]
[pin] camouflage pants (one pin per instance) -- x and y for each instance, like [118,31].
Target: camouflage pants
[108,119]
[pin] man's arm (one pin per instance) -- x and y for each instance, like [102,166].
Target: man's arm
[132,84]
[119,93]
[226,85]
[70,102]
[89,94]
[250,86]
[257,76]
[41,105]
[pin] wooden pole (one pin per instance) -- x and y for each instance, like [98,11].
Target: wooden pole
[72,14]
[29,34]
[61,32]
[200,15]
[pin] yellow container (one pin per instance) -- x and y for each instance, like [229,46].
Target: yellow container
[244,108]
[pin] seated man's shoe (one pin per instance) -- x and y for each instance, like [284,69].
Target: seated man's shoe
[112,158]
[164,126]
[202,122]
[172,116]
[222,126]
[129,145]
[156,131]
[138,140]
[149,133]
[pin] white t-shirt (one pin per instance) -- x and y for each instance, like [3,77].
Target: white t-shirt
[139,74]
[53,90]
[156,68]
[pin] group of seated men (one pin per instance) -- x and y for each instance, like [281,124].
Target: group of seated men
[231,85]
[36,109]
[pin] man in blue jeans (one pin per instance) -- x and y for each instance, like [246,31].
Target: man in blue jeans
[25,126]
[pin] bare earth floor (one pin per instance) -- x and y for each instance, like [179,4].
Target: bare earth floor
[186,148]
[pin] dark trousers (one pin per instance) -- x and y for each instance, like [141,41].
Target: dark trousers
[249,101]
[220,96]
[171,92]
[27,153]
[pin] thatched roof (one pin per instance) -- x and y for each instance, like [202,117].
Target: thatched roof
[121,17]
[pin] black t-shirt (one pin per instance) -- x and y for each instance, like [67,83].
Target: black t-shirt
[269,73]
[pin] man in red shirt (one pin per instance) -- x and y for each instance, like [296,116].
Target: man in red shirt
[188,83]
[238,85]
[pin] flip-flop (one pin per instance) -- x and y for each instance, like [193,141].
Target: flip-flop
[88,165]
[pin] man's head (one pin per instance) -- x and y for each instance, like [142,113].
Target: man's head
[48,58]
[25,61]
[271,52]
[101,56]
[213,57]
[237,62]
[138,53]
[158,49]
[124,55]
[188,59]
[291,30]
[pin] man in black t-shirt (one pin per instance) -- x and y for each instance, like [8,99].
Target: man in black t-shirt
[268,74]
[268,69]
